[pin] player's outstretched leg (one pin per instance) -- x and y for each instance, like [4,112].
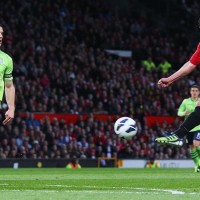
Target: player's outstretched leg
[174,141]
[171,139]
[167,139]
[192,121]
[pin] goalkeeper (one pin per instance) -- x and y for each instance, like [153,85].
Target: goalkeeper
[193,137]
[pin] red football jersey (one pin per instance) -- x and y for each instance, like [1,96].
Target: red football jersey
[195,58]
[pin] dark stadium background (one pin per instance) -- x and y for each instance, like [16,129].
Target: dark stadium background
[61,67]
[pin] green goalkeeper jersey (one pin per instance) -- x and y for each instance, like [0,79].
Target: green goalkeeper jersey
[188,104]
[6,68]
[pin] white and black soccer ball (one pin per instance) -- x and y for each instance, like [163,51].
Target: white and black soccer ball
[125,127]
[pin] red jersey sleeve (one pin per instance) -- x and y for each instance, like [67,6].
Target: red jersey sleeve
[195,58]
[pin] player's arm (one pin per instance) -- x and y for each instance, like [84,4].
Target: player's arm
[9,92]
[10,99]
[183,71]
[182,109]
[188,66]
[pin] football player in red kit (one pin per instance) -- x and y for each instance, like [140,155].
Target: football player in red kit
[194,118]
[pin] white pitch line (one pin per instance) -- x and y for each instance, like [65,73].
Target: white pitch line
[100,191]
[142,190]
[81,191]
[87,191]
[132,188]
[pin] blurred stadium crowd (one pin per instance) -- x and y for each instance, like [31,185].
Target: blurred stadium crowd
[61,66]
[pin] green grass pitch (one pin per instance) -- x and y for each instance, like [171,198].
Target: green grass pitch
[99,184]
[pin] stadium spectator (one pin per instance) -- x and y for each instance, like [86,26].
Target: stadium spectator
[164,66]
[148,64]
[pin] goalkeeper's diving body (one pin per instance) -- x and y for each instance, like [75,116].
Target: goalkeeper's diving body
[6,82]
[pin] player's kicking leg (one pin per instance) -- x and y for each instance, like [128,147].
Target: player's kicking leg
[192,121]
[170,139]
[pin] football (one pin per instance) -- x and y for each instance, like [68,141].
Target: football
[125,127]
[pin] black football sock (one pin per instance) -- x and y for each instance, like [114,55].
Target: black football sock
[192,121]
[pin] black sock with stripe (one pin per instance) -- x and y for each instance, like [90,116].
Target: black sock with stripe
[192,121]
